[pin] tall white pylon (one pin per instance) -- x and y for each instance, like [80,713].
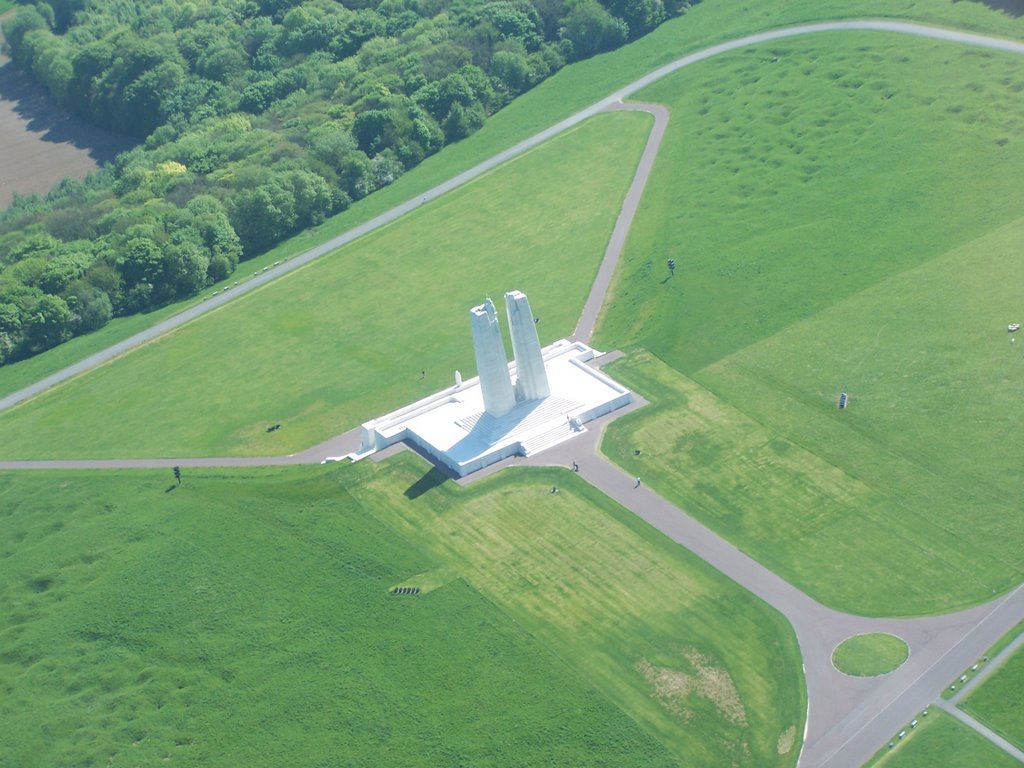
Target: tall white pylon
[531,378]
[495,381]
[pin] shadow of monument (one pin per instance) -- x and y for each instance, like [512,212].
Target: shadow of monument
[1013,8]
[434,477]
[42,115]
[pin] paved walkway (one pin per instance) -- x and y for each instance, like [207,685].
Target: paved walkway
[617,242]
[848,718]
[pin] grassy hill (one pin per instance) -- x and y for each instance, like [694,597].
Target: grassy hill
[246,617]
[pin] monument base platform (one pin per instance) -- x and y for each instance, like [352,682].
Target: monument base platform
[452,427]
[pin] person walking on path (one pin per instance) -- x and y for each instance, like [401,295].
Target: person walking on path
[637,482]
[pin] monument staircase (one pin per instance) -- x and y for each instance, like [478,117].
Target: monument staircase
[537,424]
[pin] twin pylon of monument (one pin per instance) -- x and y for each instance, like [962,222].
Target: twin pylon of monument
[499,395]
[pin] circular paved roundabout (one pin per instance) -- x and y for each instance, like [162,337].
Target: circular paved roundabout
[870,655]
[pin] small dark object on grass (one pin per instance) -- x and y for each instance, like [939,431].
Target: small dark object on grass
[273,428]
[554,489]
[636,452]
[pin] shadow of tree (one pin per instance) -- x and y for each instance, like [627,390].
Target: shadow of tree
[40,114]
[1013,8]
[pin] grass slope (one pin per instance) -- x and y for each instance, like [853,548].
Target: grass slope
[244,619]
[700,663]
[347,337]
[808,265]
[798,174]
[999,702]
[943,740]
[569,90]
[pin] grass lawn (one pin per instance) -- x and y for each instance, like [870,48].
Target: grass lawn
[568,91]
[710,670]
[942,740]
[346,338]
[245,619]
[893,286]
[999,702]
[870,655]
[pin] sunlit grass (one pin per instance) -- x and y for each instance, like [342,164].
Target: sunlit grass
[245,618]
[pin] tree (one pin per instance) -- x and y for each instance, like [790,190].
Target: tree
[263,215]
[641,16]
[24,20]
[63,269]
[48,323]
[591,29]
[140,262]
[462,121]
[91,308]
[511,72]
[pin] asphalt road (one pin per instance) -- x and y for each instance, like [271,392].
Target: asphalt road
[848,718]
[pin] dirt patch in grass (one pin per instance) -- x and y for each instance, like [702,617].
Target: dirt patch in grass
[786,740]
[672,687]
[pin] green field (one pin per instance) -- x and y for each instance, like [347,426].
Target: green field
[697,661]
[999,702]
[942,740]
[346,338]
[808,267]
[245,618]
[870,655]
[569,90]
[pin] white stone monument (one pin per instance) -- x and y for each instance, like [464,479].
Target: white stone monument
[531,378]
[485,419]
[491,363]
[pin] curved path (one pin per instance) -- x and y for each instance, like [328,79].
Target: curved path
[848,718]
[164,327]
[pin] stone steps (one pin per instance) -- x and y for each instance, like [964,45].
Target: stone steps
[548,438]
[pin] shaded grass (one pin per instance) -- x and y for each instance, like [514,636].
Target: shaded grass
[245,619]
[568,91]
[346,338]
[870,655]
[999,702]
[699,662]
[797,283]
[942,740]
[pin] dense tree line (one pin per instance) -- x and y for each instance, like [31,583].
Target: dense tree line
[257,118]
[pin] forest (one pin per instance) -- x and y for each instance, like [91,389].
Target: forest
[256,119]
